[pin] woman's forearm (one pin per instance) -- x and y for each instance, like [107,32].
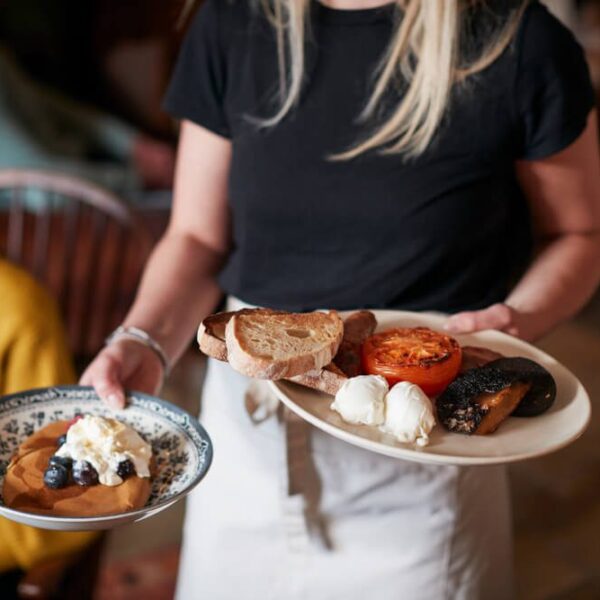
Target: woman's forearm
[559,281]
[178,289]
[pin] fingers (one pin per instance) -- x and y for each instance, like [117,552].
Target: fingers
[497,316]
[104,375]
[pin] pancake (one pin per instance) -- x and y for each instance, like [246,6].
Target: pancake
[24,487]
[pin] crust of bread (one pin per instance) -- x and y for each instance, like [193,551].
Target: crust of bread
[210,345]
[244,358]
[325,380]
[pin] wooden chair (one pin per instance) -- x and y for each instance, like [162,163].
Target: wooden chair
[87,247]
[81,241]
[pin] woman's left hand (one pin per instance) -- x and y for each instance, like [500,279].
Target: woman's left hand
[498,316]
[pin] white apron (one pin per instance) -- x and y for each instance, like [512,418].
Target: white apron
[363,526]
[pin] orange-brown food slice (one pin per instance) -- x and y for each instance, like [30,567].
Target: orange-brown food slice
[499,406]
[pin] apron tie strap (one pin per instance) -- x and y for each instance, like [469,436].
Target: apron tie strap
[301,484]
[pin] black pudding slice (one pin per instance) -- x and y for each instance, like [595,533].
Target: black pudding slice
[457,407]
[84,473]
[56,477]
[541,394]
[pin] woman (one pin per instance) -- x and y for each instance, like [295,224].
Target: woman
[363,154]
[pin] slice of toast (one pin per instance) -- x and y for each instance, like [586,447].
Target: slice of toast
[357,327]
[329,379]
[211,333]
[275,346]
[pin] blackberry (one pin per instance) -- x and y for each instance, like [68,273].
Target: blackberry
[125,469]
[84,473]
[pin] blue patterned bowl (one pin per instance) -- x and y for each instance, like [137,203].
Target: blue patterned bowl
[181,447]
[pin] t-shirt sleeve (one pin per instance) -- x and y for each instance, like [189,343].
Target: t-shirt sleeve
[554,89]
[198,84]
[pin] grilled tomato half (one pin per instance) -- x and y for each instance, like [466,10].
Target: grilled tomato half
[416,354]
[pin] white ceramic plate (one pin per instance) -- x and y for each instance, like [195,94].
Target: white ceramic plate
[181,447]
[518,438]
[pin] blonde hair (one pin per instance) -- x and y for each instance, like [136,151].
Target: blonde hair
[424,53]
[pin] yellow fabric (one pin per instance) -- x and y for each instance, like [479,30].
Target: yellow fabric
[33,353]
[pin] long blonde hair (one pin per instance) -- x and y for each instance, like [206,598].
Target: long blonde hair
[424,53]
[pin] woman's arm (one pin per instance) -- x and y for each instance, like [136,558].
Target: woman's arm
[564,195]
[178,287]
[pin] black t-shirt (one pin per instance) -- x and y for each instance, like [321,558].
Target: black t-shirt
[447,231]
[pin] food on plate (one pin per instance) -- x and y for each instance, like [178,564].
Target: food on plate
[329,379]
[408,414]
[478,388]
[357,328]
[415,354]
[480,399]
[275,346]
[476,356]
[211,332]
[541,394]
[404,411]
[105,445]
[211,339]
[91,467]
[361,400]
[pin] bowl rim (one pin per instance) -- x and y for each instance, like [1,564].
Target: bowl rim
[130,514]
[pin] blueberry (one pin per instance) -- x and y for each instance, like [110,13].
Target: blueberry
[125,469]
[84,473]
[63,461]
[61,440]
[56,477]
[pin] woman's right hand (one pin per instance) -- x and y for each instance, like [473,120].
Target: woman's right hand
[124,364]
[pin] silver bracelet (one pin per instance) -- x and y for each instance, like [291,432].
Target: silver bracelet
[143,337]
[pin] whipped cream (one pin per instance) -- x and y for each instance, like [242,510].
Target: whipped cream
[408,414]
[361,400]
[105,443]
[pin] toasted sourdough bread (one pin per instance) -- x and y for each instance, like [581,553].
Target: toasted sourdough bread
[211,333]
[274,346]
[357,327]
[329,379]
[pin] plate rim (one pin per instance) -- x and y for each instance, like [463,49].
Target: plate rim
[130,514]
[416,455]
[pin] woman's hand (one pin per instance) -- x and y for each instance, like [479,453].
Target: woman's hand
[179,287]
[498,316]
[564,198]
[125,364]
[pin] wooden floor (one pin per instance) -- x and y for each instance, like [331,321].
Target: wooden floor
[556,500]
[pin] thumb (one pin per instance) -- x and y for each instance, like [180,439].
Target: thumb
[497,316]
[104,375]
[464,322]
